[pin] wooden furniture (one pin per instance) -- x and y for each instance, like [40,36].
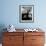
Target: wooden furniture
[34,39]
[23,39]
[13,39]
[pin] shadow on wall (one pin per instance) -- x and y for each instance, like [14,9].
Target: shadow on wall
[2,26]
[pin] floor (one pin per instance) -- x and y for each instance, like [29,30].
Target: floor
[0,44]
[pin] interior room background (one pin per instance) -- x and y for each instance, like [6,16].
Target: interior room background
[9,14]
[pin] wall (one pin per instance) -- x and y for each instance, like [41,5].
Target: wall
[9,13]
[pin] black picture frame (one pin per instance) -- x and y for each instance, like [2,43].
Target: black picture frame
[26,13]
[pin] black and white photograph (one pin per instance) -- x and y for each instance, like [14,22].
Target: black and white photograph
[26,13]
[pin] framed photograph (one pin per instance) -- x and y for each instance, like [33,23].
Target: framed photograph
[26,13]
